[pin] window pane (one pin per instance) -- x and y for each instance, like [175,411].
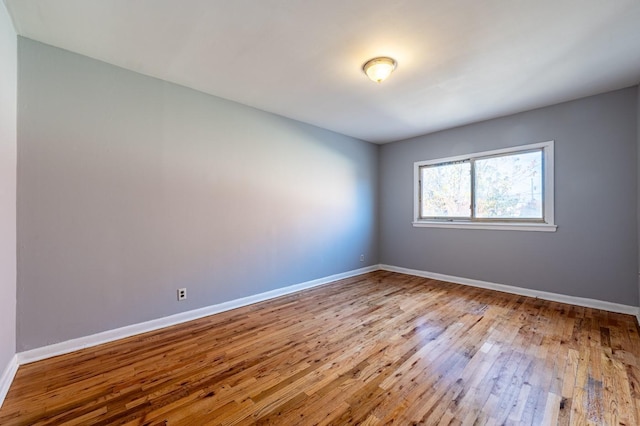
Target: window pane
[509,186]
[446,190]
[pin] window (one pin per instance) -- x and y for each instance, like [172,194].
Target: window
[503,189]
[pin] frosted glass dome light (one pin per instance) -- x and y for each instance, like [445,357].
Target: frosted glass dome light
[378,69]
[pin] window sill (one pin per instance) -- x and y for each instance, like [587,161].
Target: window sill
[502,226]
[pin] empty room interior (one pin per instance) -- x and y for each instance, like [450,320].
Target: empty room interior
[331,212]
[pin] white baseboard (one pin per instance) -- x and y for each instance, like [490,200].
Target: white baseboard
[72,345]
[7,378]
[555,297]
[108,336]
[131,330]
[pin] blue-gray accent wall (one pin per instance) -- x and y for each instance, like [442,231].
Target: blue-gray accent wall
[593,253]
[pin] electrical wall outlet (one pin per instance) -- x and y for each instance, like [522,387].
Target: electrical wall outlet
[362,258]
[182,294]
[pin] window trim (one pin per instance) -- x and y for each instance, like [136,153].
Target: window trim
[548,225]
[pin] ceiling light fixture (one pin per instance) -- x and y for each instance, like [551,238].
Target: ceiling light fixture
[378,69]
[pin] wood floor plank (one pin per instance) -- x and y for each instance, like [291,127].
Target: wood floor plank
[374,349]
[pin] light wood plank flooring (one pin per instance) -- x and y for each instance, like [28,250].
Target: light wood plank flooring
[375,349]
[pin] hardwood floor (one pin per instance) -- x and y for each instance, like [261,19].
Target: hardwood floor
[375,349]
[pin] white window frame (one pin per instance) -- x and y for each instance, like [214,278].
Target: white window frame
[548,225]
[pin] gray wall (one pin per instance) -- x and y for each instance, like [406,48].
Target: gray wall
[594,252]
[8,107]
[130,187]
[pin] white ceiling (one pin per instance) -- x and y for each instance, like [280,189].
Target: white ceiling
[459,61]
